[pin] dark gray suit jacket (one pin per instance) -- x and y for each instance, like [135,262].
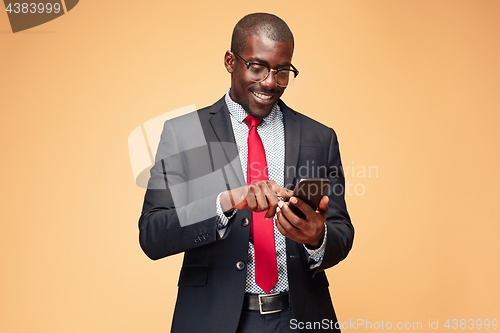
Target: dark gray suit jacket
[211,286]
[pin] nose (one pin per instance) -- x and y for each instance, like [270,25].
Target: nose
[270,81]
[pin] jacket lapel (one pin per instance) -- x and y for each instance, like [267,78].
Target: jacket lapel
[295,251]
[292,144]
[223,143]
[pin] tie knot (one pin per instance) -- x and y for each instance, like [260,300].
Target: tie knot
[252,121]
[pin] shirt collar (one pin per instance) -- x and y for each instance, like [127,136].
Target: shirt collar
[237,111]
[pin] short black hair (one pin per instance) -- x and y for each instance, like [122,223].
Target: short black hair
[268,25]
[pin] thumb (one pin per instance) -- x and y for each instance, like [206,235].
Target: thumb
[323,204]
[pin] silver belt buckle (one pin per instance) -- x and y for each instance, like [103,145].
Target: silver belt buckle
[260,304]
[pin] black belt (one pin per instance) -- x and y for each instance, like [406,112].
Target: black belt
[270,303]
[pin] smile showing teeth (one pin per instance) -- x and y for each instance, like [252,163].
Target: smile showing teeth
[261,96]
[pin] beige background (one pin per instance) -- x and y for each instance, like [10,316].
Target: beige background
[411,87]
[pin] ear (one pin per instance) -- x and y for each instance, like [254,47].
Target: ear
[229,61]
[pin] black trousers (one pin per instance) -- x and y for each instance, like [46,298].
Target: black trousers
[254,322]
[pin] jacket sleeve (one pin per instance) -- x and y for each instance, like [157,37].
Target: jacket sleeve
[340,232]
[179,211]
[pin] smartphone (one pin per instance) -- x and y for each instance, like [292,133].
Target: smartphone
[310,190]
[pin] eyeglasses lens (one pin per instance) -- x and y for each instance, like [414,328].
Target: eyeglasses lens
[258,73]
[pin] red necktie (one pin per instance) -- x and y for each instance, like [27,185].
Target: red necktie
[266,270]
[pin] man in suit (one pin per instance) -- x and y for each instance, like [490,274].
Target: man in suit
[217,194]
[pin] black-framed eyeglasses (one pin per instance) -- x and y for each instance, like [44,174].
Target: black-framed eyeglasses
[258,72]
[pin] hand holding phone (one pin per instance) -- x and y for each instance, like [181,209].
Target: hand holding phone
[309,190]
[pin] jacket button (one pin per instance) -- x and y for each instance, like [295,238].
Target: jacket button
[245,222]
[240,265]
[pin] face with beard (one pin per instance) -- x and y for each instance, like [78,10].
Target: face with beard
[258,98]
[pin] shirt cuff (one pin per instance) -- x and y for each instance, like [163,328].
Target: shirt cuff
[221,219]
[316,255]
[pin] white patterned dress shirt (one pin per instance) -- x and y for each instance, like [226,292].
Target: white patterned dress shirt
[272,132]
